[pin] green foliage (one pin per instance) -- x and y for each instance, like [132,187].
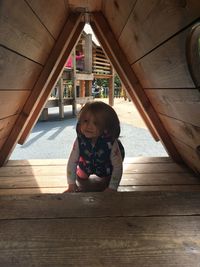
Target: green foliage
[104,82]
[117,81]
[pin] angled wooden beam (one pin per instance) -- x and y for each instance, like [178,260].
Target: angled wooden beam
[42,88]
[35,115]
[143,114]
[117,57]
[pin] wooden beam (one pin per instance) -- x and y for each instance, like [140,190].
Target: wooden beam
[117,57]
[44,84]
[84,76]
[60,98]
[72,38]
[111,83]
[88,53]
[110,51]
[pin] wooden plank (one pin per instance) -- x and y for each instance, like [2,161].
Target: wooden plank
[40,181]
[84,205]
[53,21]
[54,170]
[84,76]
[22,31]
[131,82]
[54,102]
[61,52]
[100,62]
[147,242]
[159,179]
[11,102]
[44,84]
[183,105]
[158,168]
[123,69]
[31,181]
[122,188]
[143,160]
[184,132]
[131,188]
[150,28]
[117,14]
[166,66]
[102,76]
[190,155]
[40,190]
[85,5]
[2,141]
[58,162]
[6,126]
[17,72]
[83,100]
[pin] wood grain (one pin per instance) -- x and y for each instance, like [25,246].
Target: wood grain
[52,20]
[183,105]
[23,32]
[151,23]
[133,86]
[87,205]
[166,66]
[11,102]
[17,72]
[49,176]
[151,242]
[117,13]
[184,132]
[43,86]
[190,155]
[6,126]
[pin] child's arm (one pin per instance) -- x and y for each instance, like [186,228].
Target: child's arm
[117,163]
[71,167]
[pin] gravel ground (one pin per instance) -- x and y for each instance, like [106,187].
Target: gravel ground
[54,138]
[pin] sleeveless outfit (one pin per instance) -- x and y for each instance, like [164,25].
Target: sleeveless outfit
[104,160]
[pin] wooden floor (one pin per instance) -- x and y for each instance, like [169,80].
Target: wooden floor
[155,223]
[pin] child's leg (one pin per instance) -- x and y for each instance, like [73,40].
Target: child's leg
[92,184]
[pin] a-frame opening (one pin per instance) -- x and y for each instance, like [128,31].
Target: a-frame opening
[53,67]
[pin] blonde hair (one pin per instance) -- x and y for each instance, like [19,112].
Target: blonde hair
[105,116]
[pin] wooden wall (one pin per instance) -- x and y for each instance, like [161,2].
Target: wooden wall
[28,35]
[153,36]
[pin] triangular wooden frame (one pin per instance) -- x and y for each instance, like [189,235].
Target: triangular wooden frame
[53,67]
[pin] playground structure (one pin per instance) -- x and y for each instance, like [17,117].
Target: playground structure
[74,86]
[154,48]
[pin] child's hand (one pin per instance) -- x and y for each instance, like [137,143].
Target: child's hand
[71,188]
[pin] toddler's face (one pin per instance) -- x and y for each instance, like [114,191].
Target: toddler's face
[89,127]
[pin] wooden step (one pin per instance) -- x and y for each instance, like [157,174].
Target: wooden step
[139,174]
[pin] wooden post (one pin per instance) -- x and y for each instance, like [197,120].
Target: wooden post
[74,106]
[88,53]
[60,98]
[89,88]
[111,88]
[82,88]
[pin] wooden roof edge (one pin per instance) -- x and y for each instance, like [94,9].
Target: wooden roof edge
[73,38]
[117,57]
[42,88]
